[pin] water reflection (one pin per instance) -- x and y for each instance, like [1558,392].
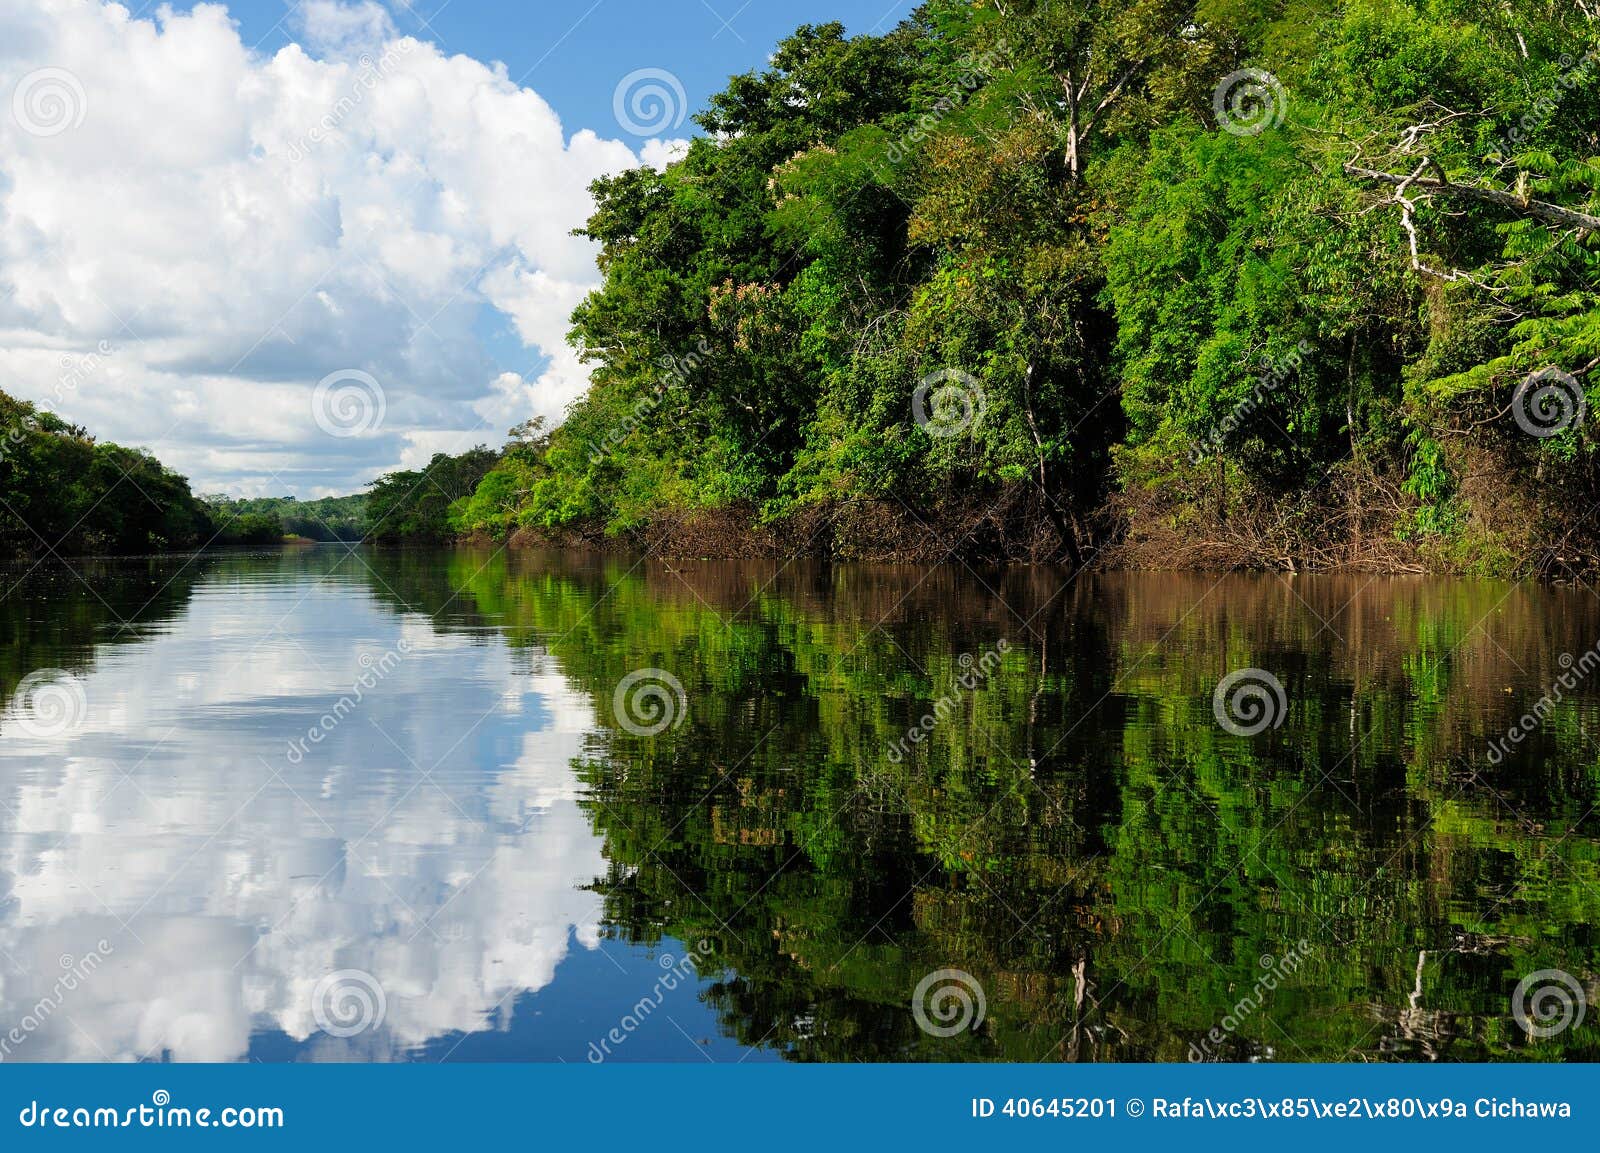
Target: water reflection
[472,826]
[432,838]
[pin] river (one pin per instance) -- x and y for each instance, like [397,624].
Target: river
[321,804]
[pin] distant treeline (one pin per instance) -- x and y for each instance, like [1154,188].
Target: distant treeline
[62,491]
[257,520]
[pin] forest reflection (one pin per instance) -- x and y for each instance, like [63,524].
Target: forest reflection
[1076,831]
[1083,837]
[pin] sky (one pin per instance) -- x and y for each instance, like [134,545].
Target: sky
[290,246]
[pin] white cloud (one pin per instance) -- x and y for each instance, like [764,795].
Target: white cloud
[239,226]
[422,443]
[659,153]
[333,28]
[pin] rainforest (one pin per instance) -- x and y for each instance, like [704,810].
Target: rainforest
[1287,285]
[1220,284]
[1059,532]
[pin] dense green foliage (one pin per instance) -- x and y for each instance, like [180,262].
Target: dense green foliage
[329,518]
[492,506]
[415,504]
[61,491]
[1202,343]
[1238,282]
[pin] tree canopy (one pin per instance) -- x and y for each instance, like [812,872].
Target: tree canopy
[1236,282]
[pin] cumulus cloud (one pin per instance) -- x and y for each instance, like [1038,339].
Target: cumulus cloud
[234,227]
[335,28]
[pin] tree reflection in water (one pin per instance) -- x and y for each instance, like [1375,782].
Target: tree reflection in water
[1117,873]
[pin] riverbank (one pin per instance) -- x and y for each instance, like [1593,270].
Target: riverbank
[875,531]
[1367,529]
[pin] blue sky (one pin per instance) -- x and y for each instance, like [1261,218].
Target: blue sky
[571,52]
[288,247]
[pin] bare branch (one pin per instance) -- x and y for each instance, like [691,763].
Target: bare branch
[1539,209]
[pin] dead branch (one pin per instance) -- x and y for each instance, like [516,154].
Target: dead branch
[1526,206]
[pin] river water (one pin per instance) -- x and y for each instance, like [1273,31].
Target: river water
[466,805]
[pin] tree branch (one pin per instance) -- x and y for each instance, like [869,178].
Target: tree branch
[1539,209]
